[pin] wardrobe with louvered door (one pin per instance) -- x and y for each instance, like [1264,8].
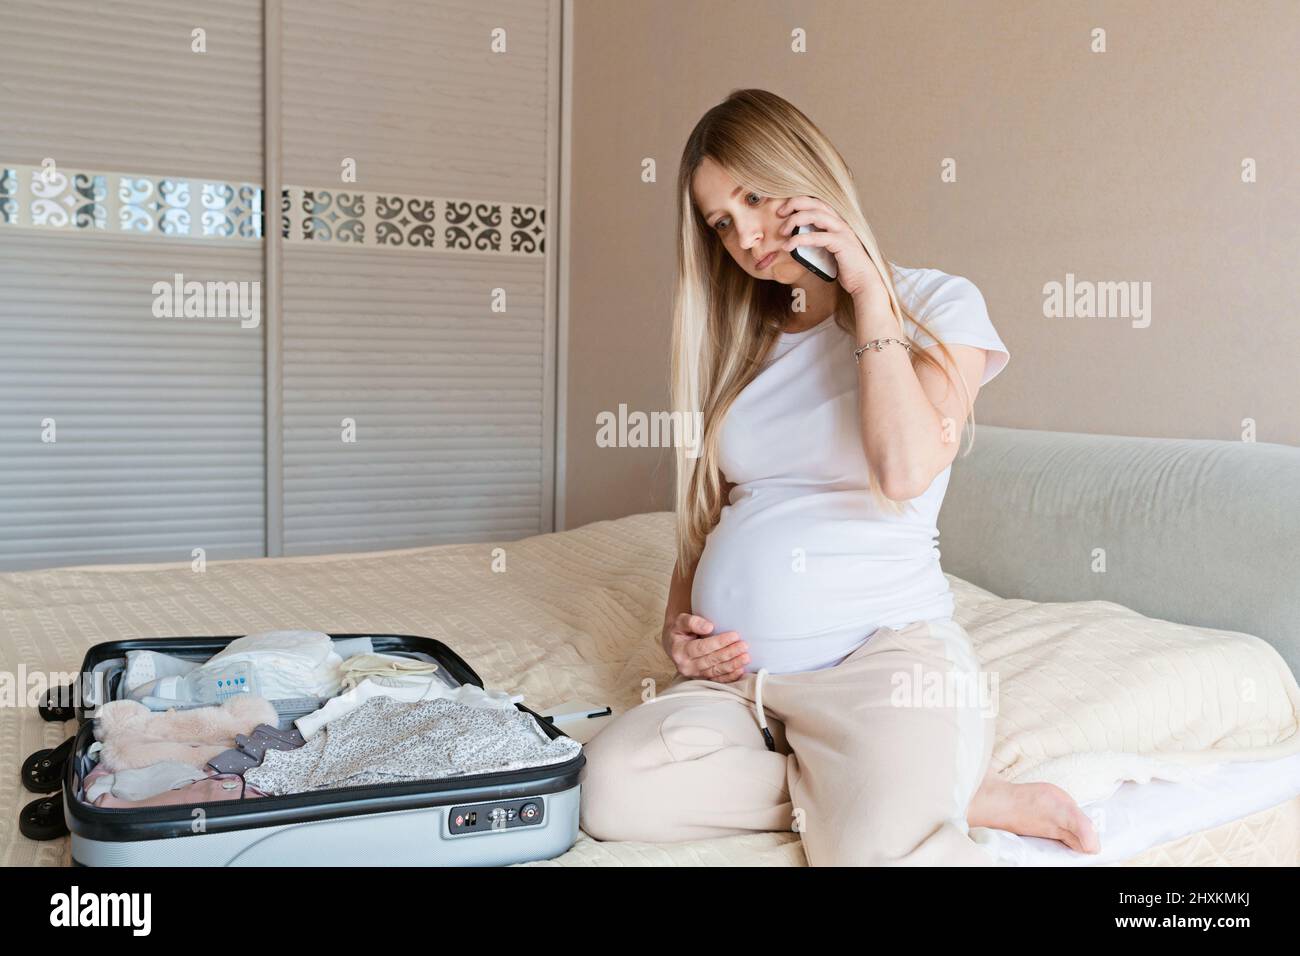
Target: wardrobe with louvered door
[417,370]
[275,277]
[130,154]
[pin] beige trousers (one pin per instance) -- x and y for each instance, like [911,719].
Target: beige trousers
[877,757]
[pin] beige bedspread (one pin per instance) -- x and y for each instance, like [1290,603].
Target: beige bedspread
[577,615]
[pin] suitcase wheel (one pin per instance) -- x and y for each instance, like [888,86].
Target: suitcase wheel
[51,711]
[43,770]
[43,819]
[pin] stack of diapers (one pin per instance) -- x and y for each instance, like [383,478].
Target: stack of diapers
[276,665]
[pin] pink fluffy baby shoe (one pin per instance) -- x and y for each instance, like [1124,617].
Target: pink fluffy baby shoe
[134,736]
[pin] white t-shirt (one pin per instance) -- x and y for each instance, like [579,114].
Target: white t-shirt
[802,563]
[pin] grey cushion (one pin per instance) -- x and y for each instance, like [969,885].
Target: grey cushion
[1197,531]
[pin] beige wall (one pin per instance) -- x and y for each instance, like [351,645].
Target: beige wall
[1115,166]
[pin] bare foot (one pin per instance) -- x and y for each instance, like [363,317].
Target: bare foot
[1032,809]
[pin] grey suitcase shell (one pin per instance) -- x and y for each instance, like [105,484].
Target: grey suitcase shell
[473,820]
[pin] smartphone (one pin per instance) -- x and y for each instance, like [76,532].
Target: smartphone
[815,259]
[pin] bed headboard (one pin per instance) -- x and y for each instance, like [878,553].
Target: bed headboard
[1197,531]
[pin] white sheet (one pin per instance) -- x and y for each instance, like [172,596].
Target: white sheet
[1139,816]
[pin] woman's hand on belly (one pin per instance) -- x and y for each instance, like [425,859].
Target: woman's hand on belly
[701,655]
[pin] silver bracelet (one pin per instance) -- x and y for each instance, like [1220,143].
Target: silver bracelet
[877,345]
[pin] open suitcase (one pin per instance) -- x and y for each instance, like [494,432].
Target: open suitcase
[468,820]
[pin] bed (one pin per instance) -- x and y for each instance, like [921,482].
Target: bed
[1183,738]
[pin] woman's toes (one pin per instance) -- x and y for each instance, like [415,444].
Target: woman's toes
[1089,842]
[1076,828]
[1034,809]
[1051,812]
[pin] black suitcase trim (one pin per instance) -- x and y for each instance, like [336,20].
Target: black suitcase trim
[126,824]
[383,643]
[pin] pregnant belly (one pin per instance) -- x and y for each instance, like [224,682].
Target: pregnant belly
[805,588]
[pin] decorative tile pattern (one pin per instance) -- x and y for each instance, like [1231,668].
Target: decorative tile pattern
[8,197]
[149,205]
[179,208]
[528,229]
[231,211]
[405,221]
[473,225]
[129,204]
[412,223]
[333,216]
[60,200]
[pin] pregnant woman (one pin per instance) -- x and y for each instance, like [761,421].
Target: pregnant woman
[807,610]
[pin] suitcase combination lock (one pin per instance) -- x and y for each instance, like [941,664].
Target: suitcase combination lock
[495,816]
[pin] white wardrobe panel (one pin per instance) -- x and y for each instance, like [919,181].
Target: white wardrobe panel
[117,86]
[157,422]
[412,90]
[441,398]
[387,318]
[385,282]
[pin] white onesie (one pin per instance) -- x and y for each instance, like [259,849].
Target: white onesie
[802,563]
[408,689]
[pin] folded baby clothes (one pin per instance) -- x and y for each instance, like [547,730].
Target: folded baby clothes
[387,741]
[142,783]
[134,736]
[356,669]
[265,737]
[249,749]
[407,689]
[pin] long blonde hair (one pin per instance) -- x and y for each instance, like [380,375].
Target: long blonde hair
[724,320]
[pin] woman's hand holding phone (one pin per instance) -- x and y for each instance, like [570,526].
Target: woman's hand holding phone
[701,655]
[856,273]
